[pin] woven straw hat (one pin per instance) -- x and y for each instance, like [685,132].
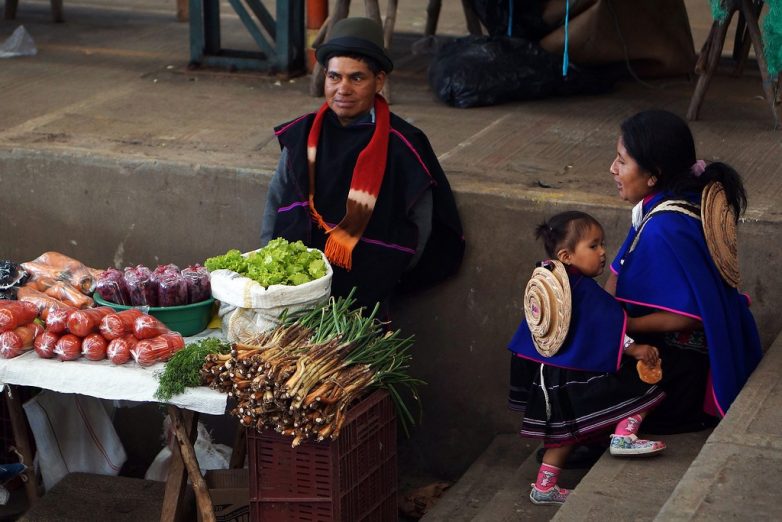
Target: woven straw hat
[547,306]
[719,227]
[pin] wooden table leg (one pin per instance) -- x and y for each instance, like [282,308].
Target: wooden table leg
[22,442]
[183,464]
[717,40]
[10,9]
[757,42]
[57,13]
[184,433]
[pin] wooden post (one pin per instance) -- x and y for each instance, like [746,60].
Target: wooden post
[173,505]
[57,16]
[757,42]
[22,442]
[715,50]
[10,9]
[471,18]
[182,10]
[432,17]
[317,14]
[183,435]
[747,31]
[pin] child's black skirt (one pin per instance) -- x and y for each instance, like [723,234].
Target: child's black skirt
[576,407]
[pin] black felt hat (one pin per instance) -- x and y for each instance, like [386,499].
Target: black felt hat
[362,36]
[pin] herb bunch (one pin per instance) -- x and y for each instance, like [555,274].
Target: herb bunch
[183,369]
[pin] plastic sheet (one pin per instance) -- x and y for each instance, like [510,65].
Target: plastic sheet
[477,71]
[20,43]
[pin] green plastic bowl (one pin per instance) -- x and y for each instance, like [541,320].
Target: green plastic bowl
[185,319]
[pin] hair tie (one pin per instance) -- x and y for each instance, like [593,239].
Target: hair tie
[698,167]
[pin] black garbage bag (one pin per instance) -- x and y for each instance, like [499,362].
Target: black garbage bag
[527,18]
[476,71]
[9,294]
[11,275]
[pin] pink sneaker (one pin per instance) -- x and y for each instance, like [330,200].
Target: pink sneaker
[632,446]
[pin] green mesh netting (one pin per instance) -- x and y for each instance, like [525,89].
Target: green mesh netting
[718,11]
[772,37]
[772,31]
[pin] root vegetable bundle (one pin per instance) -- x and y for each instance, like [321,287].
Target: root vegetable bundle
[300,378]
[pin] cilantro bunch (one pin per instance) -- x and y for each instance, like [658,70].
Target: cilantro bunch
[278,263]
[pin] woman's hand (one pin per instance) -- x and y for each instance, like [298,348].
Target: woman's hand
[644,352]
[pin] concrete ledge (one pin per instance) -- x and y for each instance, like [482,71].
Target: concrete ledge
[740,466]
[492,471]
[632,489]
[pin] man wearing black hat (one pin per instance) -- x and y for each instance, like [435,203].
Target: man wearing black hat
[360,183]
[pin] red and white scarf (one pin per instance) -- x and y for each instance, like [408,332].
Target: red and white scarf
[364,185]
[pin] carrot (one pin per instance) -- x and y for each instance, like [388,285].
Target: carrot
[43,302]
[67,293]
[55,259]
[59,266]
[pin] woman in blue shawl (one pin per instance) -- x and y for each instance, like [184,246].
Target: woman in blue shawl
[676,297]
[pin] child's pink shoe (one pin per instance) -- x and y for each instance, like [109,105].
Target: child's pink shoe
[555,495]
[632,446]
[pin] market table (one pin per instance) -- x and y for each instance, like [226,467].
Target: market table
[130,382]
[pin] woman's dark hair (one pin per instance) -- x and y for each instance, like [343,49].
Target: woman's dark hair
[564,230]
[662,144]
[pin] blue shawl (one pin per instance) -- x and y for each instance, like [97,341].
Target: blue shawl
[671,269]
[596,335]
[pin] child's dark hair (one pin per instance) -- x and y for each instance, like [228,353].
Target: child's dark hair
[662,144]
[564,230]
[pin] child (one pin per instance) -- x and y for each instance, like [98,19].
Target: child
[588,386]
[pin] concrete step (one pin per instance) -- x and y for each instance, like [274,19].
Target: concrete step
[632,489]
[475,488]
[511,502]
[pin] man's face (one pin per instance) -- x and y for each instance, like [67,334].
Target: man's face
[351,87]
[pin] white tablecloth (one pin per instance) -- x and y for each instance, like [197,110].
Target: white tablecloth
[104,380]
